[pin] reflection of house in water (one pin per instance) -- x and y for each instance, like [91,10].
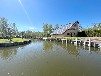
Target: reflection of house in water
[48,46]
[68,30]
[71,49]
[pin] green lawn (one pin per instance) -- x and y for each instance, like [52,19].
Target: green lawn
[71,38]
[19,39]
[13,40]
[4,41]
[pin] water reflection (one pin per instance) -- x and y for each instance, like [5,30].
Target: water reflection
[42,58]
[90,49]
[71,49]
[47,46]
[9,52]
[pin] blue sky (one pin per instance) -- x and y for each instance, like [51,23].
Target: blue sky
[31,14]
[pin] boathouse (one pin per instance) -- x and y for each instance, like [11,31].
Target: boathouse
[68,30]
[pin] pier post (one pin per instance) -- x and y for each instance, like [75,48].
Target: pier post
[50,40]
[100,49]
[62,41]
[84,43]
[89,42]
[66,41]
[84,47]
[76,41]
[89,49]
[94,44]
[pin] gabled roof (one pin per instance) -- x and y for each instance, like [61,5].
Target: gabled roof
[63,29]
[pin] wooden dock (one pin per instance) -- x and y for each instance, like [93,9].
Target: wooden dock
[84,41]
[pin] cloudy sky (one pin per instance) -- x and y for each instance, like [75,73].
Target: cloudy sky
[31,14]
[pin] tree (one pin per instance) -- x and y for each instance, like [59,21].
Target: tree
[99,25]
[47,29]
[7,29]
[3,26]
[50,29]
[56,27]
[14,29]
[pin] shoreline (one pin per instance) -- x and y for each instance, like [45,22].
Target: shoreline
[14,43]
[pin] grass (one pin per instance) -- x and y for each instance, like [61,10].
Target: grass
[71,38]
[4,41]
[13,40]
[19,40]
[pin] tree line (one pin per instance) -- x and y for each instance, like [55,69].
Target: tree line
[94,31]
[9,30]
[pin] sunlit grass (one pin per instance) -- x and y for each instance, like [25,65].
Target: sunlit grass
[4,41]
[71,38]
[19,40]
[13,40]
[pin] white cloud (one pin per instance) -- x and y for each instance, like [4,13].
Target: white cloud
[32,28]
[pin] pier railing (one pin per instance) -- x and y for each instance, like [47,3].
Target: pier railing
[89,41]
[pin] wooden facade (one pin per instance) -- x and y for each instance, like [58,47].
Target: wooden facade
[69,30]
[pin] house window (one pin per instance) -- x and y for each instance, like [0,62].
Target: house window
[74,33]
[68,33]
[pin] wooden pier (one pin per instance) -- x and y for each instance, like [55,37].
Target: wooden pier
[84,41]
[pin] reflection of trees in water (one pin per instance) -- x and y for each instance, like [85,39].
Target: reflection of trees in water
[72,50]
[47,46]
[8,52]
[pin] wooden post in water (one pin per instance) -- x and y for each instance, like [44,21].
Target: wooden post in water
[94,44]
[100,47]
[76,41]
[89,42]
[66,41]
[84,46]
[89,49]
[84,43]
[62,41]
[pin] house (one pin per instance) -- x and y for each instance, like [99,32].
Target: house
[68,30]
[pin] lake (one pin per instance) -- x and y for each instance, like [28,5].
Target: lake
[45,58]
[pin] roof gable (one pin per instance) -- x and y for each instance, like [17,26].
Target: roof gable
[64,28]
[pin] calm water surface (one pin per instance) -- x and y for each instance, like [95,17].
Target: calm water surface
[42,58]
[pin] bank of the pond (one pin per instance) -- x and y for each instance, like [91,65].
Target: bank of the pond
[14,42]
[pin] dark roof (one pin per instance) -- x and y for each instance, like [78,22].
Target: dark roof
[63,29]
